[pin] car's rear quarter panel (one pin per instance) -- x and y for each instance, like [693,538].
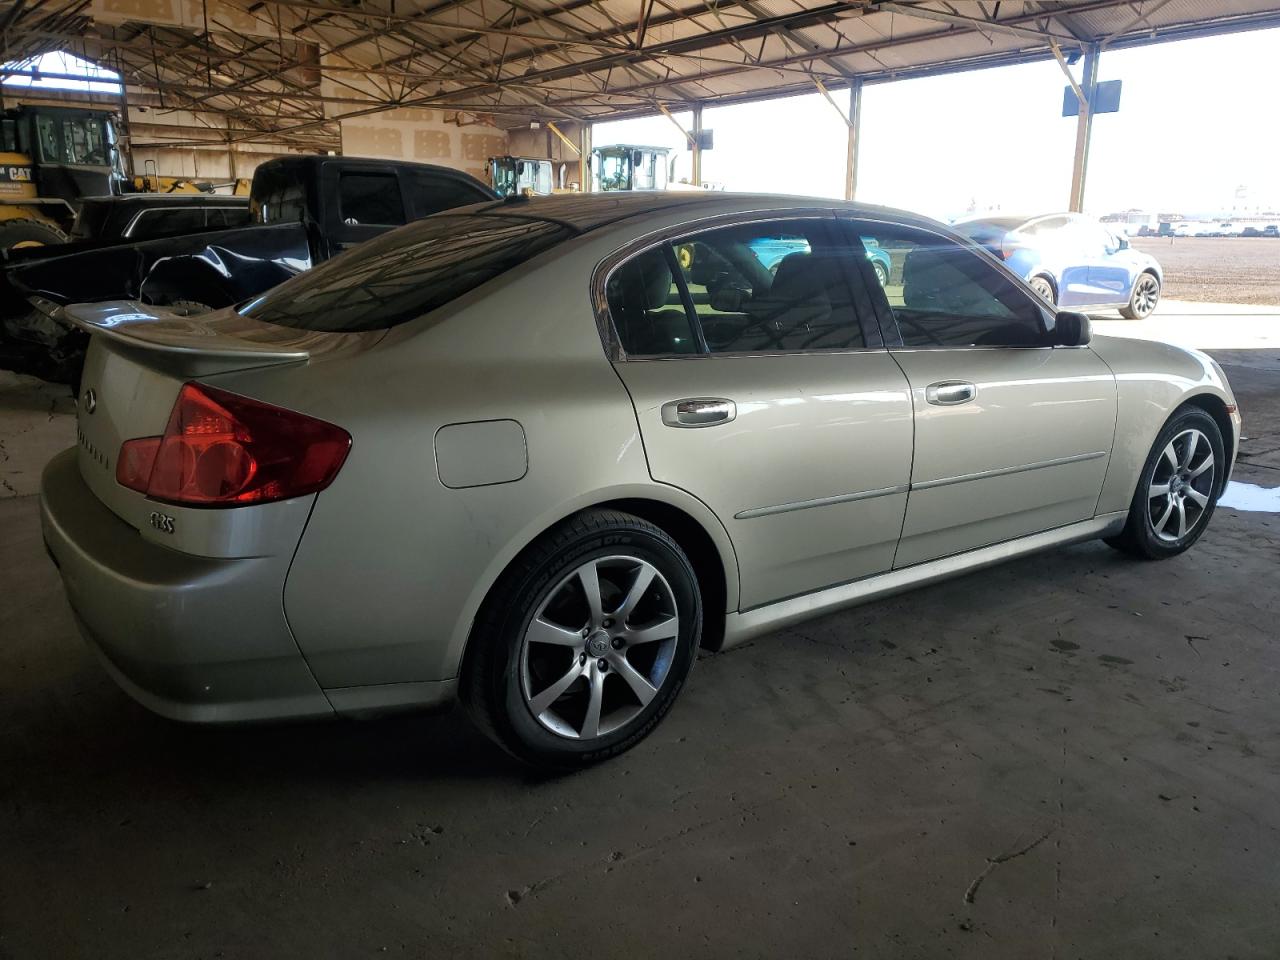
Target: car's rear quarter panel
[394,564]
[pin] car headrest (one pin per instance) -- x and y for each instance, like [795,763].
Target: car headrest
[645,282]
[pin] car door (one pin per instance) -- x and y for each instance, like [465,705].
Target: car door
[1062,253]
[768,395]
[1012,435]
[1112,268]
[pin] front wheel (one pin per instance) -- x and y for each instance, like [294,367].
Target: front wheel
[585,642]
[1043,289]
[881,271]
[1177,489]
[1143,299]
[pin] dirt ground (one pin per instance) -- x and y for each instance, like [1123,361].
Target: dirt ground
[1217,269]
[1071,755]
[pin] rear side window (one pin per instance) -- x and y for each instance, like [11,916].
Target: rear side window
[406,273]
[773,287]
[646,307]
[433,193]
[167,223]
[370,198]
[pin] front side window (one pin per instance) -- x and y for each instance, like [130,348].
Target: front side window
[83,141]
[433,193]
[370,199]
[944,294]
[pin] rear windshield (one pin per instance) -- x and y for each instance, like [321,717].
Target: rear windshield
[405,273]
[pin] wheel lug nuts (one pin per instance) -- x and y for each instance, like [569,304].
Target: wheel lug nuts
[582,659]
[586,631]
[603,665]
[608,622]
[617,643]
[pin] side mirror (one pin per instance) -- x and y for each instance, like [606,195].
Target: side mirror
[1071,329]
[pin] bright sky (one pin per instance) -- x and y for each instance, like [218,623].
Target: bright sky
[64,63]
[1196,133]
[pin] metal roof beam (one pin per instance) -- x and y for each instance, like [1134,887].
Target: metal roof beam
[974,23]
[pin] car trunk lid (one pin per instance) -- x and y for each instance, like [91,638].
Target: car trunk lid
[139,357]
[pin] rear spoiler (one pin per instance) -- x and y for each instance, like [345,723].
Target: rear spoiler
[194,345]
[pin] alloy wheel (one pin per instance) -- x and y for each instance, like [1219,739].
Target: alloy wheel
[1181,486]
[599,647]
[1042,288]
[1146,293]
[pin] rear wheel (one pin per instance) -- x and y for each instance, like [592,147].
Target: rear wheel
[1177,489]
[882,275]
[1043,288]
[585,642]
[17,234]
[1143,299]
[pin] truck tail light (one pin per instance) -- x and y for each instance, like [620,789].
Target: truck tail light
[220,449]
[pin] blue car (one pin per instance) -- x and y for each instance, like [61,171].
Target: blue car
[1072,261]
[770,251]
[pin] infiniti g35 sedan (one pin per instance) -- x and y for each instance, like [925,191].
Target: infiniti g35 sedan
[1073,261]
[529,455]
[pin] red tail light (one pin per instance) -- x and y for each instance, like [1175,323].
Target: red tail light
[223,450]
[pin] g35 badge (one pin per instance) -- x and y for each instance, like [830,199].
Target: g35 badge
[162,522]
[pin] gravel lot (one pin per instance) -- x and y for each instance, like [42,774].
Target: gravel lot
[1217,269]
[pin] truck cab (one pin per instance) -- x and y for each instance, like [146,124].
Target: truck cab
[625,166]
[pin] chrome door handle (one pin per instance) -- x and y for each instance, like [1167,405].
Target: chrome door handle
[698,412]
[948,393]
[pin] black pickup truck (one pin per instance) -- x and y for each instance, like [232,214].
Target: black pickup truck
[303,211]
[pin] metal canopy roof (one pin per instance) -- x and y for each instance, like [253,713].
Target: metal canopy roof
[290,68]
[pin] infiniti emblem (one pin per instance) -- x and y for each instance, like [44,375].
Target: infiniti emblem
[90,400]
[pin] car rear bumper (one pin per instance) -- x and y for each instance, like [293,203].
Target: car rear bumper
[191,638]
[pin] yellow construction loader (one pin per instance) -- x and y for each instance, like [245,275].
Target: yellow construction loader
[52,157]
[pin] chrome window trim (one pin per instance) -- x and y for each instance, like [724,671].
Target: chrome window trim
[673,234]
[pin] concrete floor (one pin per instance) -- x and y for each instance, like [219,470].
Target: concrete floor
[1074,755]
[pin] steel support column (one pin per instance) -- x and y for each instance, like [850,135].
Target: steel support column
[1084,127]
[696,145]
[855,127]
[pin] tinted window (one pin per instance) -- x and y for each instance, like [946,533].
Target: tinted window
[167,223]
[226,216]
[370,198]
[772,286]
[644,302]
[946,295]
[405,273]
[433,193]
[278,196]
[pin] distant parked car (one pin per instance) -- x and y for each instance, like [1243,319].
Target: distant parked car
[1271,230]
[1072,261]
[146,216]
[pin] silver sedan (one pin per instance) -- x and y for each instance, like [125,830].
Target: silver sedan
[536,453]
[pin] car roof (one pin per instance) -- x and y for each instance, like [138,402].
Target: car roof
[585,212]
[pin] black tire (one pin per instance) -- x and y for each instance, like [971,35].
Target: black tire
[492,686]
[1043,288]
[1139,537]
[32,233]
[188,308]
[882,275]
[1143,299]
